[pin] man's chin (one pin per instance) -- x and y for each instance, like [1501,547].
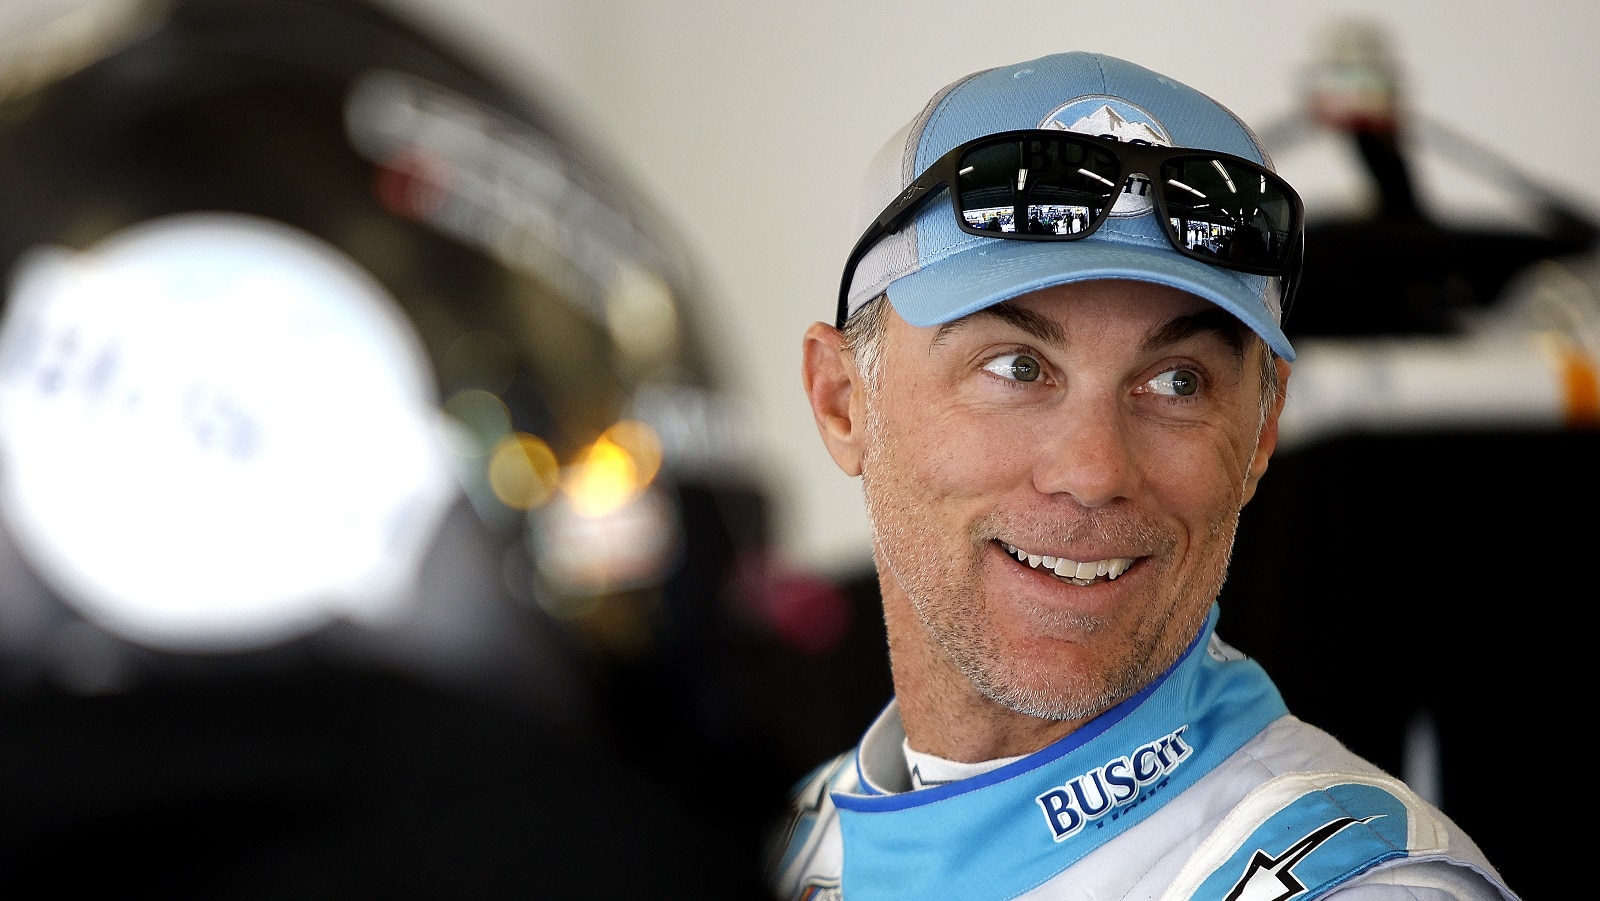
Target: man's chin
[1059,698]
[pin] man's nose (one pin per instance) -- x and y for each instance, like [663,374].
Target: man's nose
[1085,451]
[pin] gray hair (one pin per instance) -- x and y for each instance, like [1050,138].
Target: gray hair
[863,338]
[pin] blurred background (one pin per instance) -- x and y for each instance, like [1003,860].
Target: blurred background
[406,486]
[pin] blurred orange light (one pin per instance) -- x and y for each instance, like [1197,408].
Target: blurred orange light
[522,471]
[604,480]
[642,444]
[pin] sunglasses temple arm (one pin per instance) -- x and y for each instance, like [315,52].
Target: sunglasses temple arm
[889,221]
[856,253]
[1291,281]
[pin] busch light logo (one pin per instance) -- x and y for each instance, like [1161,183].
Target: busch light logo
[1114,784]
[1108,117]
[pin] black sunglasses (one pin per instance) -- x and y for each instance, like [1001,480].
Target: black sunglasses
[1052,185]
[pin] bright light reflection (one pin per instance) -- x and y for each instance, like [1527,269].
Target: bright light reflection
[1097,177]
[603,481]
[218,433]
[1223,171]
[641,314]
[522,471]
[613,470]
[642,444]
[630,546]
[1183,187]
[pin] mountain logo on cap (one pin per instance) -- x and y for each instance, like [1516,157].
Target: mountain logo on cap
[1112,117]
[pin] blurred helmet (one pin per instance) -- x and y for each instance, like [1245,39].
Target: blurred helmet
[323,352]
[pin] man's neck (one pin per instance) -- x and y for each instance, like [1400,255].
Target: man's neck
[982,731]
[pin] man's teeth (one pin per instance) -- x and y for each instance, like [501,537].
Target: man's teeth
[1071,570]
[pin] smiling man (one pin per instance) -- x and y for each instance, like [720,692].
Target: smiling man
[1057,365]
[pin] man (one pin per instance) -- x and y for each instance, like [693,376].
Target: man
[1055,436]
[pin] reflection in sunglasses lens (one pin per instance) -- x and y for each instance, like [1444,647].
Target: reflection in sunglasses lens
[1219,209]
[1041,187]
[1061,186]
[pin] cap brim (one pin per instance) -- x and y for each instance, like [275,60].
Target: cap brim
[997,270]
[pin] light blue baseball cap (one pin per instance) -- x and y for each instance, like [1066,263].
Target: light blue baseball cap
[933,272]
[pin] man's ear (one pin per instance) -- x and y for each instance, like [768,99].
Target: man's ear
[1269,433]
[833,384]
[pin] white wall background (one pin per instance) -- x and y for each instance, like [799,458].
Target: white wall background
[749,122]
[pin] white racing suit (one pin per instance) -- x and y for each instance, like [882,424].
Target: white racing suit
[1201,786]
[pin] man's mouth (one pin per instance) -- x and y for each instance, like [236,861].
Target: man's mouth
[1078,573]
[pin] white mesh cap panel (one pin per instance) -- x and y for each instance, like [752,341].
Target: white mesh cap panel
[892,168]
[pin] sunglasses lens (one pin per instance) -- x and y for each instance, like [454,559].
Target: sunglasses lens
[1217,208]
[1038,186]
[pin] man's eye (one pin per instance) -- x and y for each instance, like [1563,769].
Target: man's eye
[1179,382]
[1021,367]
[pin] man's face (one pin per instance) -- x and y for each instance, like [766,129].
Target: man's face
[1054,486]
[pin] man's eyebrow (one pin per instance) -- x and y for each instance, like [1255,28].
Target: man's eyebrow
[1215,320]
[1040,327]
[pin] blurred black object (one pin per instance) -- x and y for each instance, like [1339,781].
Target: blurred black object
[1398,268]
[1403,272]
[1403,591]
[1394,578]
[526,727]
